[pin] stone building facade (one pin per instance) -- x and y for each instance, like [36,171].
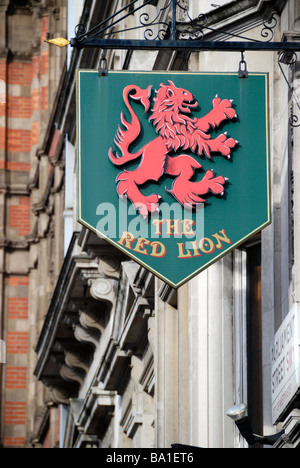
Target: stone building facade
[101,353]
[29,77]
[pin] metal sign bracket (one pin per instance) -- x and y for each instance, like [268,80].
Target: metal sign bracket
[172,28]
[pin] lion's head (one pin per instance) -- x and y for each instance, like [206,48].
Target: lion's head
[170,106]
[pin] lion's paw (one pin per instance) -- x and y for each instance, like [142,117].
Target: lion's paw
[224,108]
[190,193]
[224,145]
[215,184]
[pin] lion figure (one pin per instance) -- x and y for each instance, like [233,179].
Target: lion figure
[176,129]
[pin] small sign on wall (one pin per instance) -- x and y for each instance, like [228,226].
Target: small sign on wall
[285,364]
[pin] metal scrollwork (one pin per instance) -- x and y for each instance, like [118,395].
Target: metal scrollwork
[173,20]
[290,60]
[106,27]
[195,29]
[171,27]
[80,30]
[146,22]
[269,22]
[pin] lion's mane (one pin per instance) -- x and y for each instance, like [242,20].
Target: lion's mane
[178,130]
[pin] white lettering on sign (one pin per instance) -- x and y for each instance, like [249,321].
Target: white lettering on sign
[285,364]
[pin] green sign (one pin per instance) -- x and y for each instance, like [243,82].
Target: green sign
[173,168]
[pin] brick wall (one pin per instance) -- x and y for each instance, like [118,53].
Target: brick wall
[19,214]
[17,315]
[16,342]
[24,105]
[14,413]
[14,442]
[27,96]
[17,290]
[16,378]
[17,308]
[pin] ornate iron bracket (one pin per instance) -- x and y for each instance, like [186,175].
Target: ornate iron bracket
[172,28]
[290,59]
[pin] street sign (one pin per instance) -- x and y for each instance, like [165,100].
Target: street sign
[173,168]
[285,364]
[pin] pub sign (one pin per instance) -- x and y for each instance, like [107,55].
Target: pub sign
[173,168]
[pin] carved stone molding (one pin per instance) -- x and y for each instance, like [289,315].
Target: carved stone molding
[147,379]
[168,294]
[86,336]
[61,396]
[103,289]
[4,5]
[92,415]
[110,266]
[132,416]
[87,442]
[71,375]
[93,319]
[42,7]
[78,359]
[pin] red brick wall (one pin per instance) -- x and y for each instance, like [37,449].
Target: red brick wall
[16,360]
[16,342]
[19,107]
[22,107]
[18,281]
[18,140]
[25,104]
[16,378]
[14,442]
[17,308]
[19,73]
[14,412]
[19,215]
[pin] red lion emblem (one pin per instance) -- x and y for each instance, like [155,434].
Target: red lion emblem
[176,129]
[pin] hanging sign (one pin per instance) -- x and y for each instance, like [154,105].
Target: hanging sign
[173,168]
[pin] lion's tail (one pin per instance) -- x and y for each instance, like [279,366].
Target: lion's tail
[125,138]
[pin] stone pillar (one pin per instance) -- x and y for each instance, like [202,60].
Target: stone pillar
[166,372]
[183,365]
[211,356]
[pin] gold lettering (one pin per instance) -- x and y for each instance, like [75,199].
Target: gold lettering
[222,238]
[207,246]
[182,253]
[155,250]
[158,224]
[173,227]
[127,240]
[195,247]
[140,246]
